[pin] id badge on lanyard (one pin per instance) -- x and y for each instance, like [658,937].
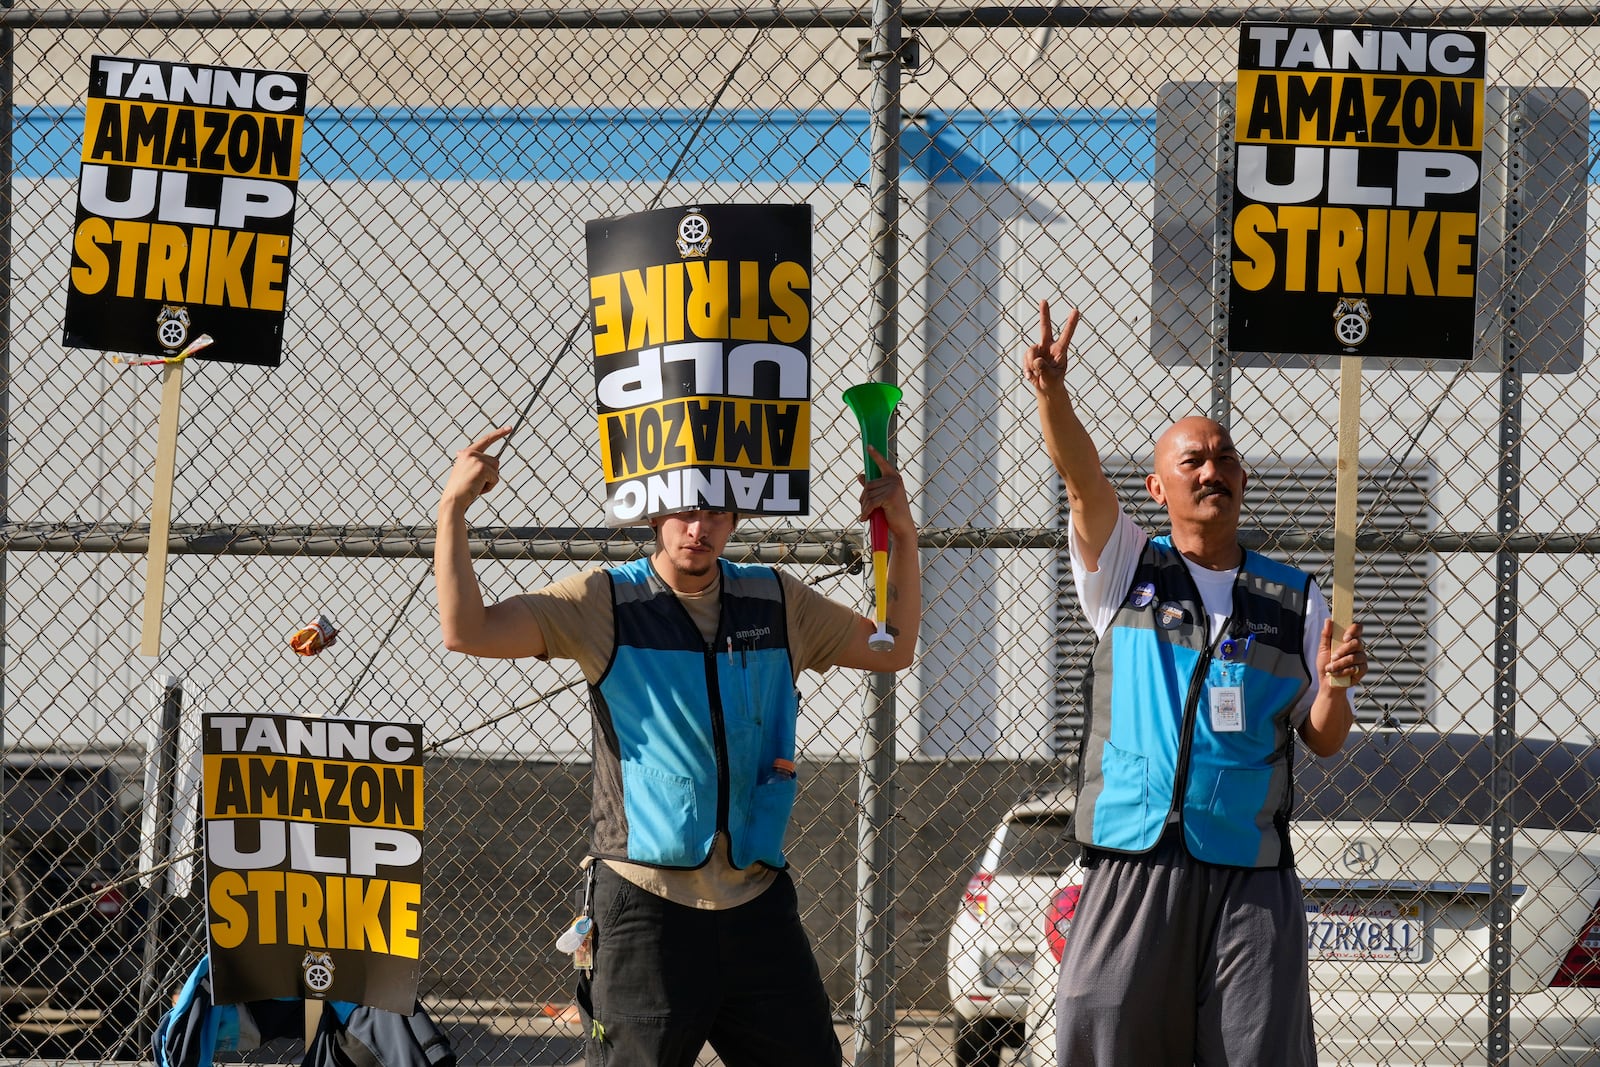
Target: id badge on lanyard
[1227,699]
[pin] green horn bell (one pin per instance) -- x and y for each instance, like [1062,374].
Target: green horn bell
[873,403]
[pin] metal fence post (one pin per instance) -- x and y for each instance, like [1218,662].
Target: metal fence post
[7,110]
[1501,866]
[7,107]
[1506,568]
[1222,245]
[875,856]
[165,758]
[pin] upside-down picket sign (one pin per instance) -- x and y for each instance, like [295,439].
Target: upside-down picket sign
[701,322]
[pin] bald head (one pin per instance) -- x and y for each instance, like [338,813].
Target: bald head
[1188,432]
[1199,478]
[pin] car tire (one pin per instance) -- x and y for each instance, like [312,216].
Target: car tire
[978,1042]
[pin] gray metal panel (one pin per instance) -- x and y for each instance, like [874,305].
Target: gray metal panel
[1193,192]
[1187,260]
[1552,192]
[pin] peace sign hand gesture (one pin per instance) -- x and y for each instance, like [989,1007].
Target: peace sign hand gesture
[1045,363]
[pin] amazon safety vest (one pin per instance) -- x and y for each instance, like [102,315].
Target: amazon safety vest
[686,733]
[1180,730]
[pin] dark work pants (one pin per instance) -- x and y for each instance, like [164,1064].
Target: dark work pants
[1172,962]
[668,979]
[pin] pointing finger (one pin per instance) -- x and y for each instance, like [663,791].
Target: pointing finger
[482,443]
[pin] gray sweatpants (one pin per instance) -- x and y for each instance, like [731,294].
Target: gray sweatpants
[1172,962]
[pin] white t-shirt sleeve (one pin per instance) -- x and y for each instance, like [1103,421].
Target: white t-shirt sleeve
[1101,591]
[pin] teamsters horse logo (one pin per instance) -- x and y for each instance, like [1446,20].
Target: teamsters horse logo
[694,236]
[172,326]
[317,971]
[1351,317]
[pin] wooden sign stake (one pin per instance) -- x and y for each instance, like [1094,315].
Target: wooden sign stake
[313,1018]
[1344,500]
[155,578]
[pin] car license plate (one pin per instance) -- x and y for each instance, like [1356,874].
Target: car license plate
[1377,930]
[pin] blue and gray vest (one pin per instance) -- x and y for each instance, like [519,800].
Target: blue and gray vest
[686,733]
[1152,752]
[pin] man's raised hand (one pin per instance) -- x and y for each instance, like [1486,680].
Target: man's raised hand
[1046,361]
[475,472]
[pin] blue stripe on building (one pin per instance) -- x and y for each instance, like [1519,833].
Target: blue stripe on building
[632,145]
[803,148]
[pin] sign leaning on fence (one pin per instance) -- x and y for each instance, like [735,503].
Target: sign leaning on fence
[313,831]
[186,198]
[1356,191]
[701,322]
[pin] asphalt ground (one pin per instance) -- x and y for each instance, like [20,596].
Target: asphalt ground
[536,1035]
[547,1036]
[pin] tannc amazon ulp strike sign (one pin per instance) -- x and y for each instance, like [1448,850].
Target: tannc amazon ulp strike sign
[701,323]
[1355,212]
[186,198]
[313,858]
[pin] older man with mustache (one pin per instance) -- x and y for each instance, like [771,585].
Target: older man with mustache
[1189,941]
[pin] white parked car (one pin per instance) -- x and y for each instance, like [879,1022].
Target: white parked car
[1392,844]
[993,939]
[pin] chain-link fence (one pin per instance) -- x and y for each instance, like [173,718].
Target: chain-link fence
[961,164]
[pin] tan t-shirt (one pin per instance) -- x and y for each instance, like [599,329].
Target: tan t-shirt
[575,617]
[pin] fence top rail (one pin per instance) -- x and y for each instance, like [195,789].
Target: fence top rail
[834,546]
[1023,17]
